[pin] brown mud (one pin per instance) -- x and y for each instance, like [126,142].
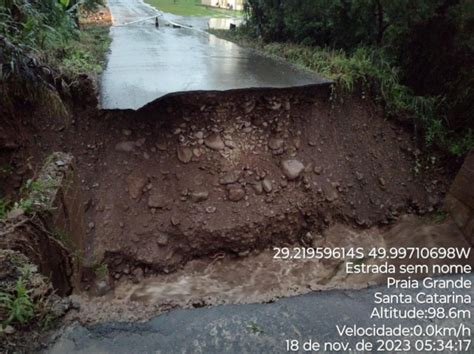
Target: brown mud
[259,277]
[167,187]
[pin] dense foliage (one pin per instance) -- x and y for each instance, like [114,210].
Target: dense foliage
[43,28]
[428,45]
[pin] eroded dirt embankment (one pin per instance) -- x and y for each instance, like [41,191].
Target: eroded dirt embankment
[200,175]
[259,277]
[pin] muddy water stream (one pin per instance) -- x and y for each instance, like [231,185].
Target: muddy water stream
[259,277]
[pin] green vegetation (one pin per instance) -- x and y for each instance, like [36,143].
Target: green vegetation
[413,56]
[255,328]
[19,307]
[35,196]
[85,54]
[26,303]
[101,270]
[4,207]
[190,8]
[48,30]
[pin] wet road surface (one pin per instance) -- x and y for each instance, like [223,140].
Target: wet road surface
[146,62]
[258,328]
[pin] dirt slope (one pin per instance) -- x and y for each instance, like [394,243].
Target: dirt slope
[204,174]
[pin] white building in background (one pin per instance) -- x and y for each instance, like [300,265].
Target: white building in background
[225,4]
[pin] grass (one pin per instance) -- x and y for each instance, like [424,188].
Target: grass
[19,307]
[367,70]
[101,270]
[85,54]
[254,328]
[190,8]
[4,207]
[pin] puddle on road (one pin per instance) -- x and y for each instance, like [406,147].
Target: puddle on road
[224,23]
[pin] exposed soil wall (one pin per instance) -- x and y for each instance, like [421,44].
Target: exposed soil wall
[213,174]
[199,175]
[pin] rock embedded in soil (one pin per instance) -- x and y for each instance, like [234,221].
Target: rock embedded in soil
[258,188]
[162,146]
[292,169]
[140,142]
[214,142]
[184,154]
[318,170]
[156,200]
[162,240]
[230,177]
[102,287]
[236,194]
[275,143]
[199,135]
[267,185]
[211,209]
[125,146]
[200,196]
[135,185]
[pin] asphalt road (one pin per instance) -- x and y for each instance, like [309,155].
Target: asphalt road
[146,63]
[257,328]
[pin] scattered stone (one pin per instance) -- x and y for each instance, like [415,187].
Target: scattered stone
[174,220]
[359,176]
[230,144]
[126,132]
[236,194]
[258,188]
[292,169]
[60,308]
[275,106]
[156,200]
[197,152]
[382,181]
[162,146]
[140,142]
[125,146]
[331,195]
[249,107]
[275,143]
[184,154]
[135,185]
[318,170]
[244,253]
[91,225]
[214,142]
[197,197]
[297,142]
[199,135]
[162,240]
[102,287]
[230,177]
[267,185]
[9,330]
[15,213]
[211,209]
[60,163]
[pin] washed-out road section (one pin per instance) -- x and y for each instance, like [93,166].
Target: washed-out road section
[146,63]
[260,328]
